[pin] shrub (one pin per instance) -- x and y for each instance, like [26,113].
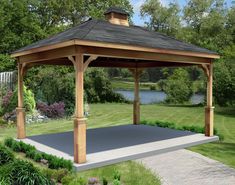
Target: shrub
[10,100]
[116,182]
[24,172]
[104,181]
[67,179]
[152,87]
[117,175]
[56,163]
[25,147]
[192,128]
[5,177]
[8,142]
[55,110]
[2,121]
[78,181]
[16,146]
[178,87]
[31,152]
[6,156]
[37,157]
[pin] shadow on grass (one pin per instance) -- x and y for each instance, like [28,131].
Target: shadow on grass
[226,111]
[183,105]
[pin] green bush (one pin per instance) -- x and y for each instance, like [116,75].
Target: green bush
[29,102]
[152,87]
[6,156]
[68,178]
[116,182]
[8,142]
[37,157]
[23,172]
[192,128]
[56,163]
[31,152]
[5,171]
[104,181]
[116,175]
[178,87]
[16,146]
[56,175]
[78,181]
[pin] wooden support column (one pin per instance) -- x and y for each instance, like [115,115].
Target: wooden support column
[209,109]
[20,110]
[136,104]
[79,121]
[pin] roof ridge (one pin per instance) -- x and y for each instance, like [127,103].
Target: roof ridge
[96,21]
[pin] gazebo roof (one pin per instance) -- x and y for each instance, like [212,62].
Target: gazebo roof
[103,31]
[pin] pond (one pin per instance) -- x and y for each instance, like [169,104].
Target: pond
[148,97]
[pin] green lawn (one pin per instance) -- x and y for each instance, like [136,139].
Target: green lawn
[115,114]
[126,85]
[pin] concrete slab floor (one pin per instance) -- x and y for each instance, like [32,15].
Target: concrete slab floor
[115,144]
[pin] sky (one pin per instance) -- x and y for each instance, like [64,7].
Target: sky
[137,4]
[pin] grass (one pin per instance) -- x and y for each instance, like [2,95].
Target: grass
[131,173]
[103,115]
[127,85]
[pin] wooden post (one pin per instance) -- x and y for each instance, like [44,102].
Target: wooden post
[20,111]
[209,109]
[79,121]
[136,105]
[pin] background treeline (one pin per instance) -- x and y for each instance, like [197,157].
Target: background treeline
[207,23]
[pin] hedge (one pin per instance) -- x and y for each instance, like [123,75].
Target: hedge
[31,152]
[191,128]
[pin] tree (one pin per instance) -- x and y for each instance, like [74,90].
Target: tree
[19,25]
[205,21]
[7,63]
[162,19]
[178,87]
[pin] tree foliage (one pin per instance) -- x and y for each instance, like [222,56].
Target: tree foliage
[178,87]
[161,18]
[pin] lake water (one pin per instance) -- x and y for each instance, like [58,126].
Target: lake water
[148,97]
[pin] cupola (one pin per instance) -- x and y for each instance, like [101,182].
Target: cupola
[117,16]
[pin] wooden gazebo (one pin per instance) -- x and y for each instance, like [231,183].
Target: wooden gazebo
[110,43]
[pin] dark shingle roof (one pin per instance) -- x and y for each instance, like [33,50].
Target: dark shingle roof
[103,31]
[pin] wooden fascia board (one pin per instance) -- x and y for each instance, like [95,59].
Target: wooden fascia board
[114,46]
[47,55]
[118,53]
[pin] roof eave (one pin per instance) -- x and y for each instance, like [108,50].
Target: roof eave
[114,46]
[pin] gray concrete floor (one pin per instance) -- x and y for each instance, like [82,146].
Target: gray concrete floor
[115,144]
[109,138]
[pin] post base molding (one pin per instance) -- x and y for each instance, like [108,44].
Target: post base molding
[20,113]
[209,121]
[80,140]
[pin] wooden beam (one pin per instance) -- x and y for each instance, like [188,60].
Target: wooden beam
[88,61]
[79,121]
[48,55]
[119,53]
